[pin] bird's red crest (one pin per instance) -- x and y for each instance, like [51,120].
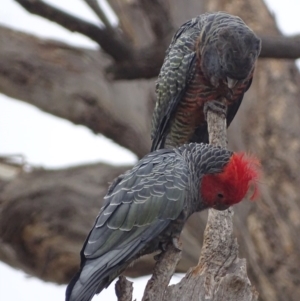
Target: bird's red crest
[231,185]
[241,172]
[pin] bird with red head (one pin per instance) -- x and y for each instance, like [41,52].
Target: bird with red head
[147,207]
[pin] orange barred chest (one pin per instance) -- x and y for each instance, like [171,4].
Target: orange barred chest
[190,108]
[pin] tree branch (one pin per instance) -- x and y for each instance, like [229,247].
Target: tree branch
[94,5]
[145,62]
[109,40]
[70,83]
[158,14]
[280,47]
[220,274]
[162,274]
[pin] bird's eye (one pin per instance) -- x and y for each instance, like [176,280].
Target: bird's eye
[220,195]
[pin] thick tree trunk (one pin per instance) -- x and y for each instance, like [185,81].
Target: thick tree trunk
[45,215]
[267,124]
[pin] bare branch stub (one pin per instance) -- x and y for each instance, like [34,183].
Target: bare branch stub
[109,40]
[124,289]
[163,271]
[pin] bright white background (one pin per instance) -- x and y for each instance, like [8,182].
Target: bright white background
[52,142]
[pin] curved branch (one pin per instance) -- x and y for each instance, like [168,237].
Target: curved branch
[70,83]
[109,40]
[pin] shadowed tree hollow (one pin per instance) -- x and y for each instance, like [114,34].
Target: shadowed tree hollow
[46,214]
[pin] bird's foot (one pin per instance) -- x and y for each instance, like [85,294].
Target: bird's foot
[164,246]
[158,256]
[216,106]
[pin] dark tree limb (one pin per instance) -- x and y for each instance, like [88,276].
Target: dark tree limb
[144,62]
[109,40]
[280,47]
[94,5]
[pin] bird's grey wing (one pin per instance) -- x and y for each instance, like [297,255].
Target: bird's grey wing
[138,208]
[177,71]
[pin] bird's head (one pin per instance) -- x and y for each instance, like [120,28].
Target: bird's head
[229,187]
[228,54]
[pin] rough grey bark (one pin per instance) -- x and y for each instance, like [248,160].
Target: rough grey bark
[124,289]
[162,274]
[70,83]
[220,274]
[267,124]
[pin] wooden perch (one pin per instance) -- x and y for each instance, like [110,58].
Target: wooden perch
[220,274]
[162,274]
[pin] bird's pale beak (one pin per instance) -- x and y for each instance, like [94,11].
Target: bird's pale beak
[231,82]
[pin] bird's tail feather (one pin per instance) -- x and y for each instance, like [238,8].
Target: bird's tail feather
[90,281]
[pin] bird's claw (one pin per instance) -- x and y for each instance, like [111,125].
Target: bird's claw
[176,243]
[164,246]
[215,106]
[157,256]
